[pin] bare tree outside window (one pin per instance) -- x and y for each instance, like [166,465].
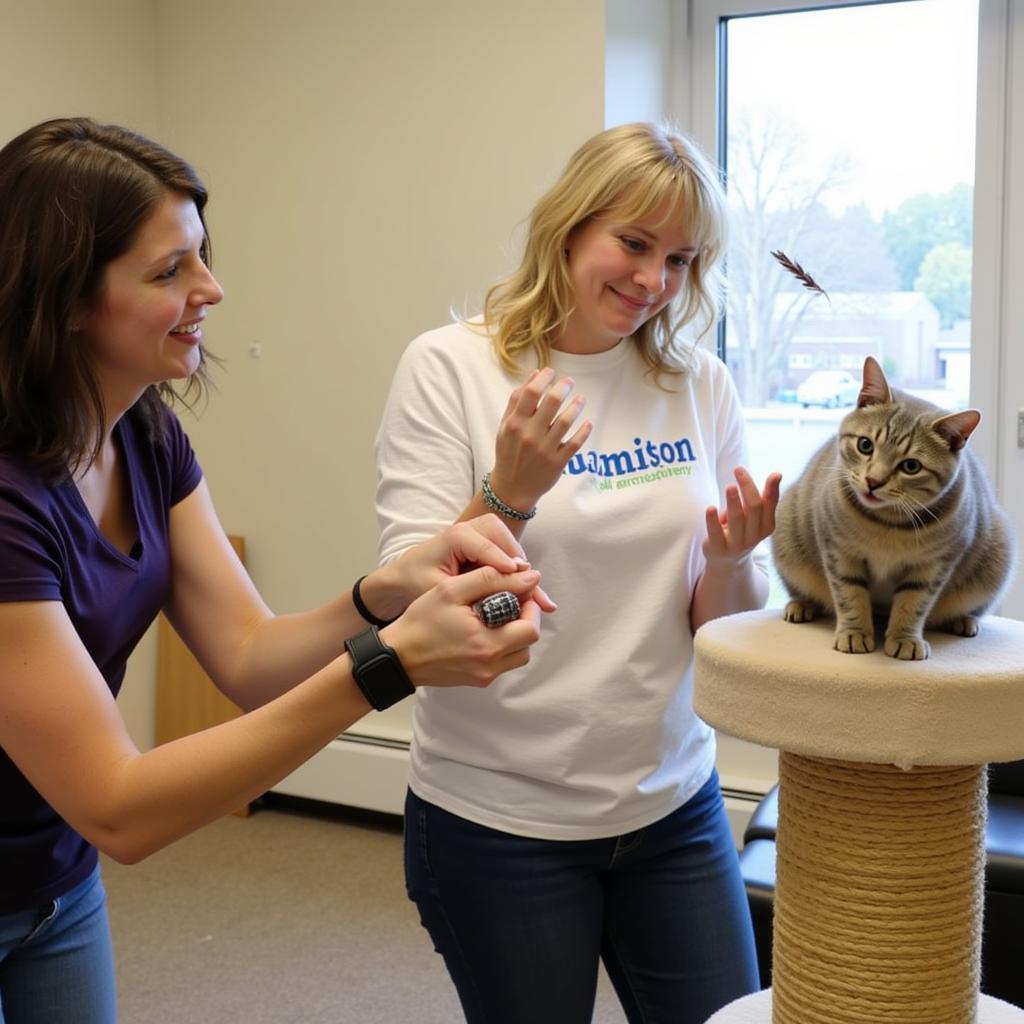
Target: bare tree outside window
[847,140]
[774,207]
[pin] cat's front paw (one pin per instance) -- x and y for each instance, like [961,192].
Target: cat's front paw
[853,641]
[967,625]
[907,648]
[800,611]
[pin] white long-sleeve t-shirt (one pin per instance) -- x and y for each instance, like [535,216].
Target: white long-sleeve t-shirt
[597,736]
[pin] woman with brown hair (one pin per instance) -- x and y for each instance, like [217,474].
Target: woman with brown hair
[105,519]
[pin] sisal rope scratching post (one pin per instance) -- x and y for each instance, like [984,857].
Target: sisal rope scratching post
[882,804]
[879,896]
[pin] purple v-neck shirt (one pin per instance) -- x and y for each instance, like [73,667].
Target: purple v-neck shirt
[51,550]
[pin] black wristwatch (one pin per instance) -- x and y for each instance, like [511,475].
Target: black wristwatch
[377,670]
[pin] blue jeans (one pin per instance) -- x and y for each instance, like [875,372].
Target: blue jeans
[522,923]
[56,961]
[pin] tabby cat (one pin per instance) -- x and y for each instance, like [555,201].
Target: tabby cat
[893,517]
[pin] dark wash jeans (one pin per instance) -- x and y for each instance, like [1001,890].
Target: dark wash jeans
[521,923]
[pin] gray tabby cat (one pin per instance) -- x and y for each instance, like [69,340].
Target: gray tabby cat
[895,515]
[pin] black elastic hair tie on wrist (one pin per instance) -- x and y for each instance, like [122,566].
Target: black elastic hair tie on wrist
[365,612]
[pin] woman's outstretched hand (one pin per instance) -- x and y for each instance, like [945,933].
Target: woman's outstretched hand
[747,519]
[732,581]
[539,433]
[442,642]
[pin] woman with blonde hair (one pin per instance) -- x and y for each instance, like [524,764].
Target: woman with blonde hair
[575,816]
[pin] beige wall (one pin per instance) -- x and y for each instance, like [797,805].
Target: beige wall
[642,61]
[68,57]
[369,162]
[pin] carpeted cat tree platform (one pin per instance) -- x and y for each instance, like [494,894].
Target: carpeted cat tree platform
[882,803]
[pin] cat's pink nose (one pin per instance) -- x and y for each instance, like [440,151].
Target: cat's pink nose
[872,483]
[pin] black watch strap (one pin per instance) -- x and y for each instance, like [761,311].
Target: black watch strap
[377,670]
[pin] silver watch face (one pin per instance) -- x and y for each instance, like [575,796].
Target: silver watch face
[380,674]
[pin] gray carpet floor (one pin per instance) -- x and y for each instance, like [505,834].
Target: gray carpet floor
[297,913]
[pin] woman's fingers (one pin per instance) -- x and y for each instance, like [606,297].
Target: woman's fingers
[441,641]
[540,404]
[533,391]
[565,421]
[747,518]
[486,540]
[485,580]
[571,445]
[772,487]
[537,436]
[716,539]
[759,506]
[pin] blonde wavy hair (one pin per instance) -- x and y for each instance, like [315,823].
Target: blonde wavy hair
[630,172]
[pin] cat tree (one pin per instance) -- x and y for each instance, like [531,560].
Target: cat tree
[882,804]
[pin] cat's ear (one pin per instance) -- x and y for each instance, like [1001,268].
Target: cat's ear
[875,390]
[957,427]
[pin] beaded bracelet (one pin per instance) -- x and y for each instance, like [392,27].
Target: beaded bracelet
[491,500]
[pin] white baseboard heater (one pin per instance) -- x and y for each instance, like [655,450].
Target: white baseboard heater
[371,772]
[356,770]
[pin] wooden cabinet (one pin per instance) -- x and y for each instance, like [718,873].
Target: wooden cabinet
[186,699]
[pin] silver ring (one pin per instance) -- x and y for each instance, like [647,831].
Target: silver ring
[497,609]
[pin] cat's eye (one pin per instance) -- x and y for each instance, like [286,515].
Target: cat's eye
[910,466]
[865,447]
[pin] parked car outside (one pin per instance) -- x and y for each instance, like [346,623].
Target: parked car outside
[830,388]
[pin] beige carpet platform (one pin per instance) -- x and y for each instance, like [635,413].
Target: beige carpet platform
[882,802]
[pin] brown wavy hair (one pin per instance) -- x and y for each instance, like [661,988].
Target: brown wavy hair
[629,171]
[74,195]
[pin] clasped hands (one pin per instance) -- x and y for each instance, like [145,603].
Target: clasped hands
[431,587]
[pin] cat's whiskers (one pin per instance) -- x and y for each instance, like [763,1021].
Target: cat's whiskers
[922,507]
[904,505]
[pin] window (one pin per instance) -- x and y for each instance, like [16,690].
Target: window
[847,137]
[688,91]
